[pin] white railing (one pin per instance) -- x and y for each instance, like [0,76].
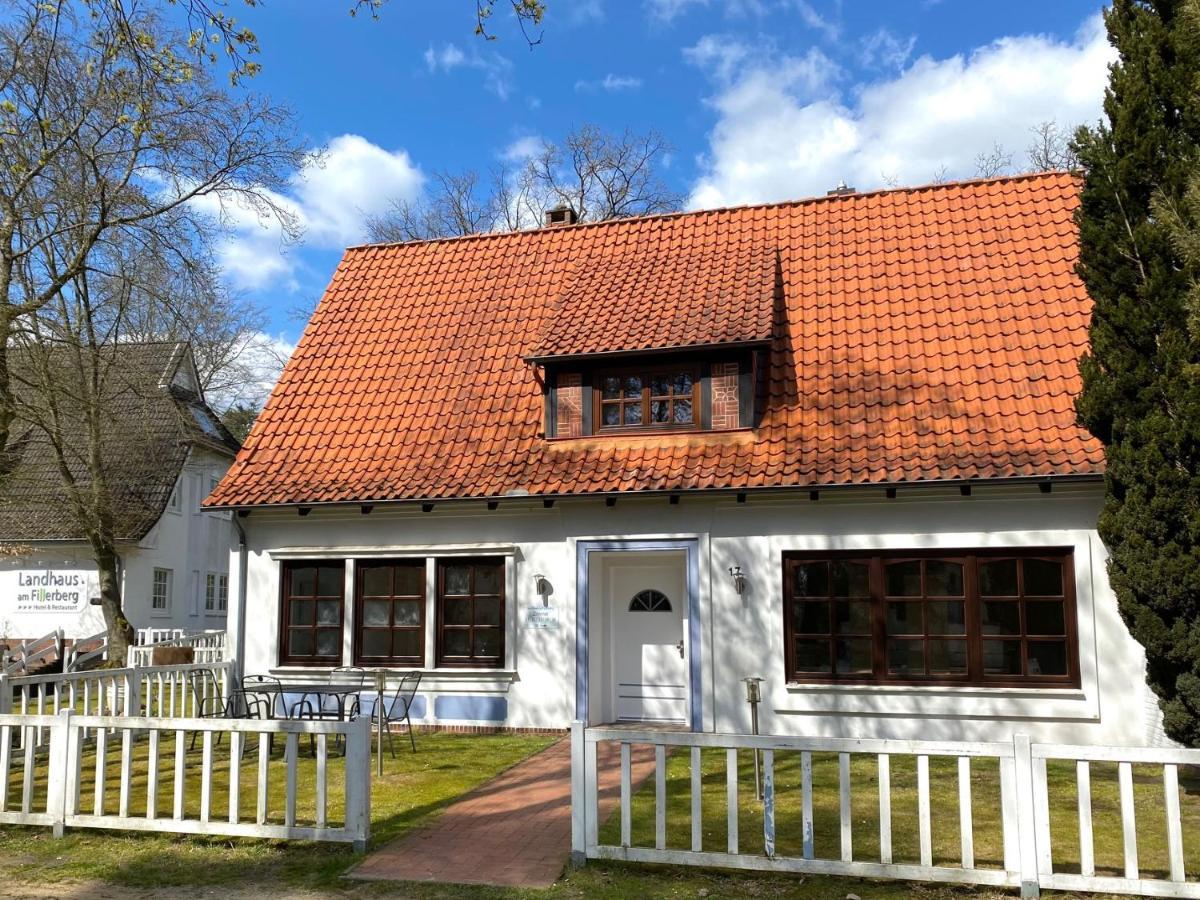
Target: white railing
[165,691]
[208,646]
[65,771]
[1026,859]
[155,635]
[95,647]
[1132,880]
[29,654]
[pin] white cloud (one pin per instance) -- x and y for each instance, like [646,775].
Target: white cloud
[884,50]
[253,372]
[522,148]
[667,10]
[449,57]
[610,83]
[497,70]
[336,189]
[813,19]
[353,177]
[785,130]
[583,11]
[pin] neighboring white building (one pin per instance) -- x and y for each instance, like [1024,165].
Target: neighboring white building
[609,471]
[174,555]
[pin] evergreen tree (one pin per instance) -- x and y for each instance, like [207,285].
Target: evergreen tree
[1141,380]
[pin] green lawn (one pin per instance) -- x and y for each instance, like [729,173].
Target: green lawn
[414,788]
[417,787]
[985,810]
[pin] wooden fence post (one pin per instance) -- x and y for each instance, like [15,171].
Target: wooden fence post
[57,771]
[578,800]
[133,693]
[358,782]
[6,692]
[1026,816]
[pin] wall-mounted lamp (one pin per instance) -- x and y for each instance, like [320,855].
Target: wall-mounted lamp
[541,584]
[739,580]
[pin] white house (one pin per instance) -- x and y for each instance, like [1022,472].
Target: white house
[168,450]
[608,471]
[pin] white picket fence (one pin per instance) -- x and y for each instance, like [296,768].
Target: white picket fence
[152,691]
[1024,797]
[208,646]
[50,781]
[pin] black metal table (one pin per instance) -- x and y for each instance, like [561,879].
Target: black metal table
[315,694]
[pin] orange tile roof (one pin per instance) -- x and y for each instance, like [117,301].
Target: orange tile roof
[924,334]
[665,295]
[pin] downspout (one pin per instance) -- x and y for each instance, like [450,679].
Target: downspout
[240,649]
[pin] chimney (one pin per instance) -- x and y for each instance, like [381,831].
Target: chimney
[841,190]
[561,215]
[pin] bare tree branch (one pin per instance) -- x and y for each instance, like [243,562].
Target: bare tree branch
[993,163]
[599,175]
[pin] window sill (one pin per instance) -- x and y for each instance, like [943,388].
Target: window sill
[1065,692]
[868,701]
[490,675]
[618,434]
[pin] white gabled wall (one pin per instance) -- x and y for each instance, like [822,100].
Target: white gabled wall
[189,541]
[740,635]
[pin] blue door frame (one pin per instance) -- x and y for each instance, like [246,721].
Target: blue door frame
[691,547]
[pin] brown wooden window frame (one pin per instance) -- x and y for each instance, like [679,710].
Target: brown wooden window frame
[874,634]
[645,401]
[473,661]
[288,602]
[361,658]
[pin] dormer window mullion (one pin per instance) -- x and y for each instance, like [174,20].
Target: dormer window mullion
[648,399]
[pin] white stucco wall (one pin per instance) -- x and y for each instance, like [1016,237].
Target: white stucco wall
[740,635]
[185,541]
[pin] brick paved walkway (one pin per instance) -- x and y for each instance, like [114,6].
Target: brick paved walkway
[514,831]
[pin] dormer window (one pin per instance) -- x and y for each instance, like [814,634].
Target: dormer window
[707,391]
[648,398]
[648,341]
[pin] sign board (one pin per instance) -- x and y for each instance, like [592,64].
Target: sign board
[35,600]
[541,617]
[48,590]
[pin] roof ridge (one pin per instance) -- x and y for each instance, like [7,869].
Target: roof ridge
[799,201]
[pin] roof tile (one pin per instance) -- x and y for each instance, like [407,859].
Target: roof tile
[928,333]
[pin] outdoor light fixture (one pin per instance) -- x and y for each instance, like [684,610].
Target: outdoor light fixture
[541,584]
[739,580]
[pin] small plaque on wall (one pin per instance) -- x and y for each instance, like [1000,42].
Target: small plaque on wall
[541,617]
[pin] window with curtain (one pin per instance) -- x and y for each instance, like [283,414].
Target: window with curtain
[390,613]
[470,609]
[312,597]
[971,617]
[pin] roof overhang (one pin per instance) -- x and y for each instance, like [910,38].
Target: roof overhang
[677,350]
[774,490]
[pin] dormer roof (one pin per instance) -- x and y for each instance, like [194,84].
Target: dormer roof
[664,297]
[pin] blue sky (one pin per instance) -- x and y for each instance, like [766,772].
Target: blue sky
[763,100]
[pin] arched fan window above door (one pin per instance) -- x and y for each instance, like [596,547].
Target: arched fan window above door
[650,601]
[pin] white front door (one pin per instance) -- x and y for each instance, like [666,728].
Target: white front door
[648,601]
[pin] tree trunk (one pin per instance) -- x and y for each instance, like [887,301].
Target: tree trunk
[7,412]
[120,632]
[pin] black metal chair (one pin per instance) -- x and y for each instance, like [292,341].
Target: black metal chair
[330,707]
[350,676]
[265,699]
[398,709]
[211,704]
[262,693]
